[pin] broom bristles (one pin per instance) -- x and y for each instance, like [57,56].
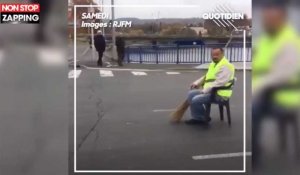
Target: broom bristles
[177,115]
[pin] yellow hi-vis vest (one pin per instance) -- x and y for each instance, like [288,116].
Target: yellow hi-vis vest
[266,51]
[211,76]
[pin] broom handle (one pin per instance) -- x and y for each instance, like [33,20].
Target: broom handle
[185,105]
[179,112]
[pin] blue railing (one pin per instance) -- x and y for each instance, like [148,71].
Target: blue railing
[177,54]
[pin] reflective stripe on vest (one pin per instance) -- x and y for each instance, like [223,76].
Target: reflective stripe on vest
[211,76]
[266,51]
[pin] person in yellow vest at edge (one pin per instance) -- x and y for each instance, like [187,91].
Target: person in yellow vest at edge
[220,73]
[275,71]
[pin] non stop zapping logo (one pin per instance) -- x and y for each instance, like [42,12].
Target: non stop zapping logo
[19,13]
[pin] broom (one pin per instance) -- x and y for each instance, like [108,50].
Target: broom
[177,115]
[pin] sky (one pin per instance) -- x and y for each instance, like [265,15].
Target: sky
[160,8]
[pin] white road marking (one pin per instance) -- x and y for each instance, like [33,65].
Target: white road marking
[51,56]
[219,156]
[163,110]
[139,73]
[1,56]
[172,73]
[71,73]
[106,73]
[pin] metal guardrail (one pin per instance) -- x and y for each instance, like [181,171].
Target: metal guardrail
[176,54]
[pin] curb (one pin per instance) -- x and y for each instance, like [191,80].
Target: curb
[192,69]
[138,69]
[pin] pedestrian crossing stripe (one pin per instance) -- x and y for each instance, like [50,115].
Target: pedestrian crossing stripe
[106,73]
[72,74]
[51,57]
[139,73]
[172,73]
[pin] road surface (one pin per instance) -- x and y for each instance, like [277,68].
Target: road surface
[123,123]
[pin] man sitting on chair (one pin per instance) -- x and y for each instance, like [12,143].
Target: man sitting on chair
[220,74]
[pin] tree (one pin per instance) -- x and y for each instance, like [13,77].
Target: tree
[188,32]
[172,29]
[215,30]
[136,32]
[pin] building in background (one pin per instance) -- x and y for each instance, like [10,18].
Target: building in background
[201,31]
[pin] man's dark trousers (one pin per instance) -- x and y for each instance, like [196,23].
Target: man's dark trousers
[100,55]
[121,54]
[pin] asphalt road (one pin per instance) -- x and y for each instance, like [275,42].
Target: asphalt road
[34,113]
[122,125]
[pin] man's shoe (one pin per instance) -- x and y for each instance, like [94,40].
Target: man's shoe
[195,122]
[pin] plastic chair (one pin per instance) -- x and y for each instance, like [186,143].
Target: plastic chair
[221,104]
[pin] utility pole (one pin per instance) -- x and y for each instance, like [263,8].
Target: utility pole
[102,11]
[113,18]
[91,10]
[113,34]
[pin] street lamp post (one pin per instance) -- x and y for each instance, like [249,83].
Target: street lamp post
[114,49]
[91,10]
